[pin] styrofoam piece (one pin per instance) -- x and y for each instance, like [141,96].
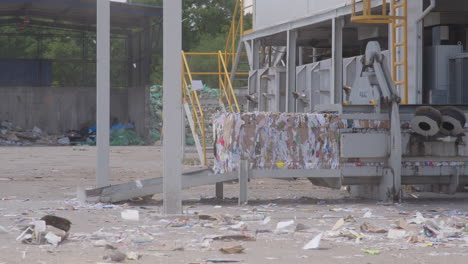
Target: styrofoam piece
[130,215]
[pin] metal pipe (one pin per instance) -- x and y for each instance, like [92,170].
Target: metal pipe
[427,11]
[418,63]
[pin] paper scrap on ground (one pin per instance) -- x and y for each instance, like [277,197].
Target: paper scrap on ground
[314,243]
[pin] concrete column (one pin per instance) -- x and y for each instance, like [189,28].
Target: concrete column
[336,75]
[103,92]
[291,62]
[172,105]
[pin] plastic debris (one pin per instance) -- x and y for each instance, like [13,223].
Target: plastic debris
[314,243]
[58,222]
[130,215]
[371,252]
[223,260]
[232,250]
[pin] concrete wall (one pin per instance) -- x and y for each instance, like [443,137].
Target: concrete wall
[56,110]
[273,12]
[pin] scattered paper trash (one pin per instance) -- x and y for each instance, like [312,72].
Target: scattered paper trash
[368,214]
[53,239]
[281,226]
[266,220]
[252,217]
[314,243]
[50,229]
[396,234]
[419,219]
[402,224]
[351,234]
[130,215]
[369,228]
[241,226]
[133,256]
[339,224]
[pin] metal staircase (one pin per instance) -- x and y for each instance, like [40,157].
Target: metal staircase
[229,77]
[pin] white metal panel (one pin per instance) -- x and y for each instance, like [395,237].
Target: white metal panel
[364,145]
[273,12]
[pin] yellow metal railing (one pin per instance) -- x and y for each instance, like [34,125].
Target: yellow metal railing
[226,64]
[399,27]
[197,110]
[226,88]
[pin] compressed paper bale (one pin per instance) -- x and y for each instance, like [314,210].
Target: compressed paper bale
[276,140]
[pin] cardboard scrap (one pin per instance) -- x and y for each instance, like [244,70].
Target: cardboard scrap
[369,228]
[240,237]
[232,250]
[339,224]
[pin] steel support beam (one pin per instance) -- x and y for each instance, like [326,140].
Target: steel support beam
[337,61]
[103,92]
[172,105]
[291,63]
[390,185]
[255,54]
[243,182]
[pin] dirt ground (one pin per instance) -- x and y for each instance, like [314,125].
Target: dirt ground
[38,181]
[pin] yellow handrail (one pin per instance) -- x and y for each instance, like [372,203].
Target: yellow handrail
[397,22]
[228,78]
[198,116]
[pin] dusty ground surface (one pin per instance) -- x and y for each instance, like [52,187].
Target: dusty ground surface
[37,181]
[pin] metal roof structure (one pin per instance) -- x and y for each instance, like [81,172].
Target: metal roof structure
[81,12]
